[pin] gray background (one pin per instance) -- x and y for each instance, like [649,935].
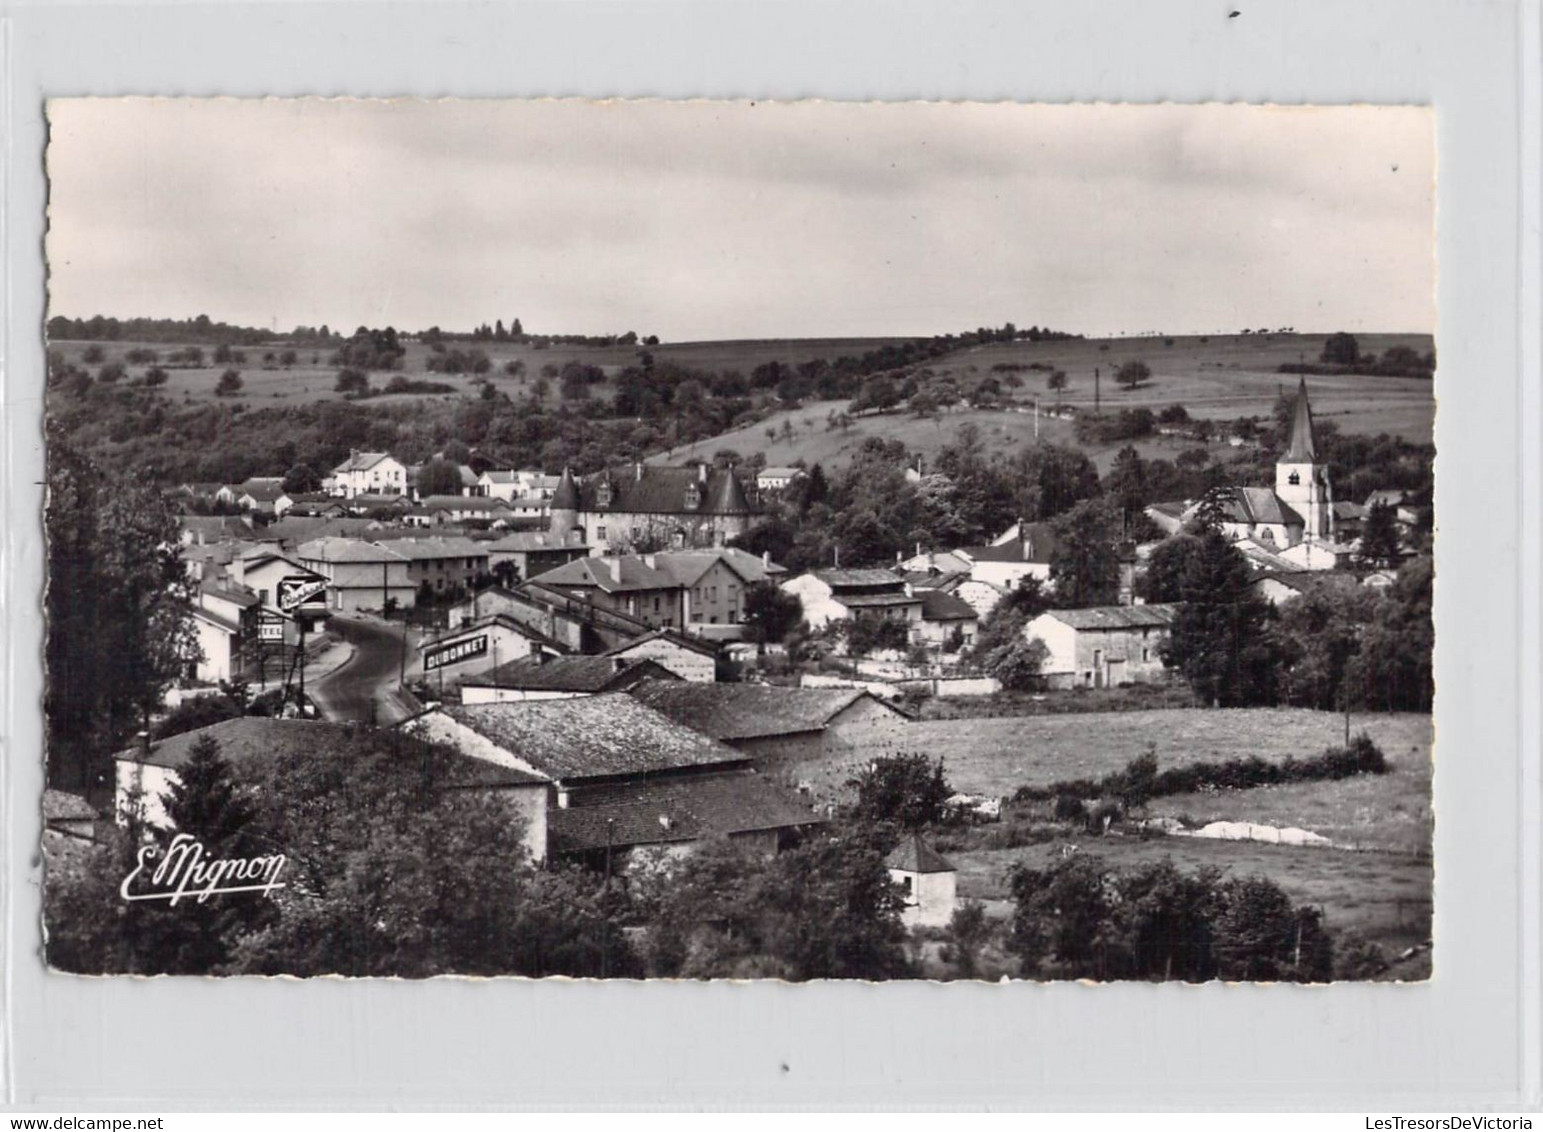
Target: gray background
[1466,1040]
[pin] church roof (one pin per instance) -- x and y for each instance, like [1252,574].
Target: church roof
[1302,449]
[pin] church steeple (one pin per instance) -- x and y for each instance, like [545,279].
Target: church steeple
[1303,447]
[1301,483]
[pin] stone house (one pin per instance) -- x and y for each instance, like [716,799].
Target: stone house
[683,657]
[651,507]
[927,880]
[1103,647]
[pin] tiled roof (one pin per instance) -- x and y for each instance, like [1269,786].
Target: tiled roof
[937,605]
[663,811]
[347,550]
[429,549]
[243,738]
[837,578]
[462,503]
[1042,545]
[913,855]
[215,619]
[243,597]
[262,492]
[659,490]
[747,711]
[566,497]
[675,639]
[294,528]
[592,736]
[360,462]
[614,574]
[877,601]
[586,674]
[60,806]
[1254,505]
[1117,616]
[779,473]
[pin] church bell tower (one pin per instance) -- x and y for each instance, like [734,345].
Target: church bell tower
[1301,481]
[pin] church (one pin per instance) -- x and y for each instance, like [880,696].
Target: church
[1294,519]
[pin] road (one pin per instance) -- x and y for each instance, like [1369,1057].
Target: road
[364,690]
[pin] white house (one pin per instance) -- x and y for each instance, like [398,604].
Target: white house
[369,473]
[360,575]
[682,656]
[927,880]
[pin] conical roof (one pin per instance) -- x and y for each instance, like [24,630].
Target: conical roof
[1302,449]
[913,855]
[730,499]
[566,497]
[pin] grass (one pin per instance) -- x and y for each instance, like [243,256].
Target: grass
[1384,897]
[1223,377]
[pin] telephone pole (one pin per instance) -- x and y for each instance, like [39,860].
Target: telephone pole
[1096,409]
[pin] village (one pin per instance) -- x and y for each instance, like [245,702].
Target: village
[623,667]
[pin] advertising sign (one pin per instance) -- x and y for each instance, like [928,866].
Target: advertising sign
[455,651]
[300,590]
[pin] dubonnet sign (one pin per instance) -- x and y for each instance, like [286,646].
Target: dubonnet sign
[299,590]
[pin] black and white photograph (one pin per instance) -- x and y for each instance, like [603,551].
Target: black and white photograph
[806,540]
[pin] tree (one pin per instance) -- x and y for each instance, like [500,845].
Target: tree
[1260,935]
[1341,349]
[1056,382]
[1392,669]
[1220,639]
[769,613]
[1126,482]
[968,931]
[1133,373]
[301,478]
[1380,542]
[1018,664]
[904,790]
[823,910]
[1163,580]
[439,477]
[1085,567]
[229,385]
[351,381]
[119,611]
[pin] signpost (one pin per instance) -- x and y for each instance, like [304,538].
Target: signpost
[304,598]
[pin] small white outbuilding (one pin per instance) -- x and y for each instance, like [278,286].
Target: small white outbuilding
[928,880]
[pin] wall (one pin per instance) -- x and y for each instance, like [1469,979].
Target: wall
[1097,648]
[216,648]
[686,663]
[716,599]
[503,644]
[930,902]
[612,532]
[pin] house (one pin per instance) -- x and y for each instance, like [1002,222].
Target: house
[528,554]
[927,881]
[374,505]
[144,772]
[205,530]
[496,484]
[1319,554]
[1007,562]
[572,624]
[1298,508]
[261,496]
[699,591]
[981,597]
[1104,646]
[369,473]
[310,503]
[777,479]
[478,646]
[621,775]
[683,657]
[652,506]
[1276,587]
[437,510]
[541,676]
[360,575]
[790,733]
[943,617]
[440,564]
[69,815]
[218,639]
[837,595]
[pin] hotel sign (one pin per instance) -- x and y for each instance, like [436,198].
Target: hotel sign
[299,590]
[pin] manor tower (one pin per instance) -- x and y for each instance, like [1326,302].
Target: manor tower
[1300,480]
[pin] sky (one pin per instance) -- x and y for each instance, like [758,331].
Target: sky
[716,220]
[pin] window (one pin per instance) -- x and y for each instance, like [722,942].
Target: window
[733,617]
[600,533]
[1294,479]
[696,615]
[656,605]
[1098,657]
[263,596]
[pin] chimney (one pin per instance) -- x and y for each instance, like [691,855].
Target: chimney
[664,821]
[142,741]
[910,590]
[648,560]
[765,558]
[701,471]
[539,655]
[618,663]
[236,571]
[637,470]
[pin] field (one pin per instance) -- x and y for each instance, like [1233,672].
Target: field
[1385,897]
[1222,378]
[311,378]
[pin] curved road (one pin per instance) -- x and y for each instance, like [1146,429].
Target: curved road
[364,689]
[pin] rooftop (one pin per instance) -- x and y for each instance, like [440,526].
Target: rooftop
[747,711]
[837,578]
[663,490]
[360,462]
[939,605]
[582,674]
[913,855]
[591,736]
[332,549]
[663,811]
[1116,616]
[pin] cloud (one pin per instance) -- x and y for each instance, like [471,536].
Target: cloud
[698,220]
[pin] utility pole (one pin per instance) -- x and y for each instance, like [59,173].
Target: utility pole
[1096,391]
[1036,418]
[300,703]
